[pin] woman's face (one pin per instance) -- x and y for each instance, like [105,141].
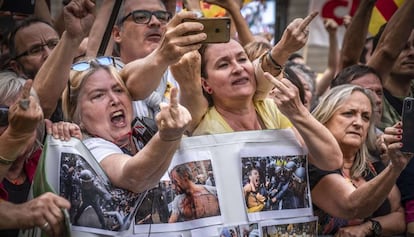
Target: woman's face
[373,83]
[230,72]
[350,123]
[105,108]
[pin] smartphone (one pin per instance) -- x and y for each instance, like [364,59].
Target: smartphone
[216,28]
[408,125]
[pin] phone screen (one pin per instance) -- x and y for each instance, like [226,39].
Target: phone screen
[408,125]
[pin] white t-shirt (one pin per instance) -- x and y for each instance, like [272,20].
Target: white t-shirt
[101,148]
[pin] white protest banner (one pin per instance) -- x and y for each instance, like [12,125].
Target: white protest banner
[244,182]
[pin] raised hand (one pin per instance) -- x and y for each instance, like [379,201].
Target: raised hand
[26,113]
[173,118]
[330,25]
[63,130]
[296,33]
[181,37]
[286,96]
[188,69]
[79,17]
[392,138]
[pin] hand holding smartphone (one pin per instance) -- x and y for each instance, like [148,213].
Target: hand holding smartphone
[217,29]
[408,125]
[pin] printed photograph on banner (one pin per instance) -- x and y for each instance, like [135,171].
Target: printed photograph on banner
[274,184]
[185,198]
[230,231]
[94,202]
[249,230]
[299,227]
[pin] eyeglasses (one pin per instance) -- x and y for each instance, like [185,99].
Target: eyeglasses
[144,16]
[4,115]
[38,48]
[103,61]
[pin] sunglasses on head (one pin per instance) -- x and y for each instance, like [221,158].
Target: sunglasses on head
[144,16]
[103,61]
[4,115]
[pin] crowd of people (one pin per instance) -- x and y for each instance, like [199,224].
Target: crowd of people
[157,72]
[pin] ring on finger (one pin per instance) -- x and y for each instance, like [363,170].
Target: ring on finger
[24,104]
[45,226]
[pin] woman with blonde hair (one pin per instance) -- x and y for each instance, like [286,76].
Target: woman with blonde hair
[361,197]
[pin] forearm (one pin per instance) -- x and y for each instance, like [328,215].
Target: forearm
[144,170]
[42,11]
[142,76]
[393,39]
[324,151]
[98,29]
[324,82]
[354,38]
[369,196]
[245,36]
[393,223]
[10,216]
[13,143]
[263,86]
[192,98]
[52,77]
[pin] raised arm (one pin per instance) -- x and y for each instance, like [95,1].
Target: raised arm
[142,76]
[23,122]
[355,34]
[187,73]
[127,172]
[393,40]
[233,8]
[52,77]
[294,38]
[323,149]
[328,75]
[363,201]
[98,29]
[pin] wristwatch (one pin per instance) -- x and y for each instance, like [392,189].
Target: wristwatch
[376,228]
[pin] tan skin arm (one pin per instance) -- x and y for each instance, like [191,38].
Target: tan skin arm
[22,127]
[98,29]
[294,38]
[52,77]
[173,46]
[392,224]
[355,34]
[324,151]
[35,213]
[328,75]
[244,34]
[187,73]
[41,10]
[393,40]
[127,172]
[361,202]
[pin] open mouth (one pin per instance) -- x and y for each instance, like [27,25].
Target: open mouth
[240,81]
[118,119]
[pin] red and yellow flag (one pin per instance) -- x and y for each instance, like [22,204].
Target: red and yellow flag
[382,12]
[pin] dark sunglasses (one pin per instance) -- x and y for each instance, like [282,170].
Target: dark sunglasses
[144,16]
[4,115]
[103,61]
[38,48]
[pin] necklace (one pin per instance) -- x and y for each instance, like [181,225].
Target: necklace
[348,177]
[18,180]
